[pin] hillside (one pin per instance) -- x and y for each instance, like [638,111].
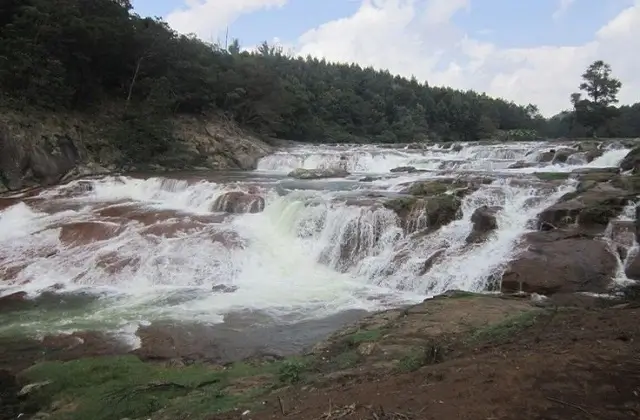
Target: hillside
[138,80]
[77,55]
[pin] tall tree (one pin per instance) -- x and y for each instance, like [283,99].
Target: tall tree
[602,90]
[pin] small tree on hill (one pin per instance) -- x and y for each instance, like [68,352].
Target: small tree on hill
[601,91]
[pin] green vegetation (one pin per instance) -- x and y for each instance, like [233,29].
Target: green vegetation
[365,336]
[422,356]
[503,330]
[79,55]
[595,114]
[119,387]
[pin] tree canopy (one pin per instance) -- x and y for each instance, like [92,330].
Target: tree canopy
[82,54]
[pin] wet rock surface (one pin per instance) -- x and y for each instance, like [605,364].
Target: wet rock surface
[484,222]
[239,202]
[561,261]
[310,174]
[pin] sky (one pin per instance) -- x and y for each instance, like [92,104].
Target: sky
[527,51]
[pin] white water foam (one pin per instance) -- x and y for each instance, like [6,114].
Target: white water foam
[308,255]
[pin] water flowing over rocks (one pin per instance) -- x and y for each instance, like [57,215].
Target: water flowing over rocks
[239,202]
[484,222]
[316,234]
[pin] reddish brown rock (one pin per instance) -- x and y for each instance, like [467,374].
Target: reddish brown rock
[228,239]
[173,230]
[238,202]
[84,233]
[114,263]
[560,261]
[13,301]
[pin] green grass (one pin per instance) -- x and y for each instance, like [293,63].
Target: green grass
[430,354]
[365,336]
[503,330]
[117,387]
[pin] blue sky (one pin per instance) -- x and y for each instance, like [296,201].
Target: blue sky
[527,51]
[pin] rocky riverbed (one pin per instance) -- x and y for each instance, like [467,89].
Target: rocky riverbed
[225,287]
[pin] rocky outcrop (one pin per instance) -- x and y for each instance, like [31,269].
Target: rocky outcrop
[562,155]
[484,222]
[309,174]
[429,212]
[522,164]
[560,261]
[546,157]
[593,207]
[238,202]
[409,169]
[47,148]
[631,162]
[26,163]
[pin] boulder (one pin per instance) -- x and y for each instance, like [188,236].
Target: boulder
[622,234]
[562,155]
[428,188]
[238,202]
[409,169]
[24,163]
[588,146]
[632,266]
[84,233]
[546,157]
[428,212]
[429,262]
[522,164]
[560,261]
[592,155]
[631,162]
[592,208]
[307,174]
[484,222]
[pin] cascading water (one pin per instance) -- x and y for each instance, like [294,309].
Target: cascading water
[145,250]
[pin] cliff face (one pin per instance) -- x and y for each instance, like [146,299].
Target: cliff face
[45,148]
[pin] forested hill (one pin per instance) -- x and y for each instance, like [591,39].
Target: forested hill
[80,54]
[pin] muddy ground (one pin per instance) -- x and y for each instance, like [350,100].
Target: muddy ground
[460,356]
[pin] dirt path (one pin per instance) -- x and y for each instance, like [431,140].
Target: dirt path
[570,364]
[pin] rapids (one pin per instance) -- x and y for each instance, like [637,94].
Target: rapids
[120,252]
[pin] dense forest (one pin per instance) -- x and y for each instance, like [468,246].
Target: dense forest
[82,54]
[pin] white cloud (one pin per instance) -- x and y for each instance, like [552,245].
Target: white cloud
[392,34]
[209,18]
[418,37]
[563,6]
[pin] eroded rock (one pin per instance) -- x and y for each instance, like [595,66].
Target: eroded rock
[484,222]
[84,233]
[631,162]
[239,202]
[429,212]
[594,207]
[309,174]
[409,169]
[560,261]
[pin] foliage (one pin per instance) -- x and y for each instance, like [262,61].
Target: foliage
[81,54]
[503,330]
[77,54]
[595,114]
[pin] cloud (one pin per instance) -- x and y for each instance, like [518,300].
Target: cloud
[394,35]
[209,18]
[563,6]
